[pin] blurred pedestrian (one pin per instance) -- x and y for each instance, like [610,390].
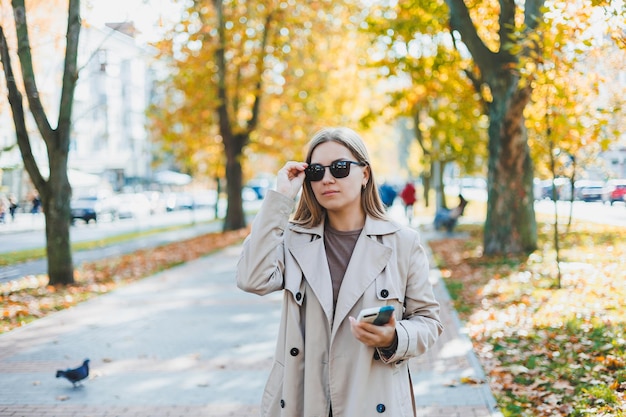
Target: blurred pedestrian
[36,203]
[13,205]
[338,254]
[408,199]
[448,218]
[387,194]
[4,207]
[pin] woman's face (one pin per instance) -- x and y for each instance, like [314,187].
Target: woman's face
[338,194]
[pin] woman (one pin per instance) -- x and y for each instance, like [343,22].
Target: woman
[339,254]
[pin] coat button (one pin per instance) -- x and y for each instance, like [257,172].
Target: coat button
[376,356]
[298,296]
[282,403]
[384,293]
[380,408]
[294,351]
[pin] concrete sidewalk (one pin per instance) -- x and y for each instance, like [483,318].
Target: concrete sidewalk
[22,222]
[187,342]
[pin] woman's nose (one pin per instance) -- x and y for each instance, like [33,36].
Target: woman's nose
[328,177]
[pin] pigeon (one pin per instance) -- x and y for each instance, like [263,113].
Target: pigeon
[77,374]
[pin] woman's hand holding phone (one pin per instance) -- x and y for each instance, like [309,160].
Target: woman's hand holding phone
[376,315]
[374,335]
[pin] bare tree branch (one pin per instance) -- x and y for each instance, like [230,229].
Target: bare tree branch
[23,52]
[461,21]
[252,123]
[507,17]
[70,75]
[17,108]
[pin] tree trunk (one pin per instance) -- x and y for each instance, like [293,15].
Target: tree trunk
[437,169]
[510,226]
[55,192]
[426,188]
[233,142]
[56,205]
[235,218]
[218,181]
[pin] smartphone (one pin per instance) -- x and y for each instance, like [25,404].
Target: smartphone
[376,315]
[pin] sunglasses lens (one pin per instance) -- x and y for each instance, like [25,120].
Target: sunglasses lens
[340,169]
[314,172]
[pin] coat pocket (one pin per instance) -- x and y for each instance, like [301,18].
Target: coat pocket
[403,391]
[270,403]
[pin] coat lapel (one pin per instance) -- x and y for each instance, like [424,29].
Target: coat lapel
[310,255]
[368,260]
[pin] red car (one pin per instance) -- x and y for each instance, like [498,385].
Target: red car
[615,190]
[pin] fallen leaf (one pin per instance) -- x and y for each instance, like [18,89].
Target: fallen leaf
[471,381]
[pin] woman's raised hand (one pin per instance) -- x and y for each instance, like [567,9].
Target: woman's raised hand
[290,178]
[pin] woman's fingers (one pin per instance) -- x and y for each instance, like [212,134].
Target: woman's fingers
[290,178]
[295,169]
[373,335]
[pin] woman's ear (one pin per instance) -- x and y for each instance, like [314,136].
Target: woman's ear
[366,175]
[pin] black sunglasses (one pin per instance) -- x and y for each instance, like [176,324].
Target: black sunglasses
[338,169]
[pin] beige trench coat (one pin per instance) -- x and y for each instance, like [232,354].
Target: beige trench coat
[318,362]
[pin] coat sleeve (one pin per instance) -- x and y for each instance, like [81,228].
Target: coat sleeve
[420,326]
[262,262]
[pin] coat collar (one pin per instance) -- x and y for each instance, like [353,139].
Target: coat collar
[368,259]
[372,227]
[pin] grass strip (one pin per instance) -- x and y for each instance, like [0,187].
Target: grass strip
[11,258]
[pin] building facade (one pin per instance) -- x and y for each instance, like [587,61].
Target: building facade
[109,139]
[112,95]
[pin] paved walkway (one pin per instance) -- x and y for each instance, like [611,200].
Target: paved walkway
[187,342]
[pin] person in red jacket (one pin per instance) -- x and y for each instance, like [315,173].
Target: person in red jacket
[408,199]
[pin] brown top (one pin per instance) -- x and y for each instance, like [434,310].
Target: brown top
[339,247]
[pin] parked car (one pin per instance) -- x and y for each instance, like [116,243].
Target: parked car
[260,185]
[248,194]
[588,190]
[204,199]
[179,201]
[615,190]
[543,189]
[473,182]
[96,208]
[133,205]
[157,201]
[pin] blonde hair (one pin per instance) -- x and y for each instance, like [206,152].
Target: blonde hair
[309,212]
